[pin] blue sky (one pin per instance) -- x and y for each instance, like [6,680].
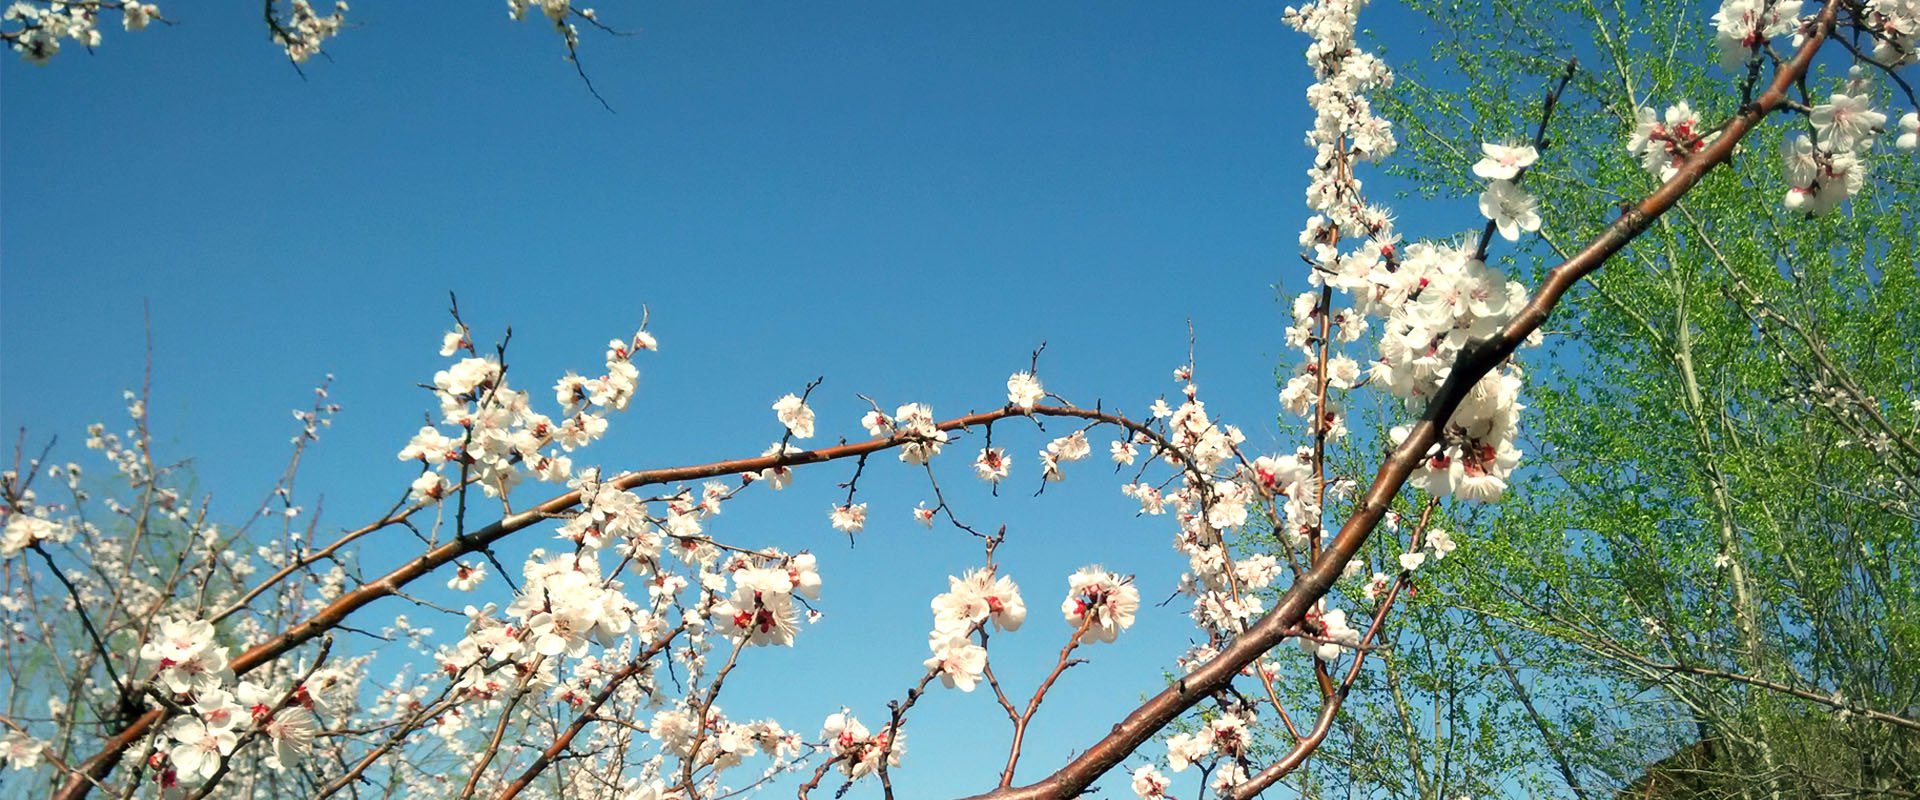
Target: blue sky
[905,200]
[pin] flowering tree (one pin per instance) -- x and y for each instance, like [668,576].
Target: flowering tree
[1696,573]
[178,656]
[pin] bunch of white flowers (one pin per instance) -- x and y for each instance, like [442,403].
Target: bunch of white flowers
[565,605]
[1224,736]
[500,439]
[858,752]
[1822,172]
[1511,208]
[760,610]
[1742,27]
[187,657]
[304,30]
[794,413]
[24,528]
[41,25]
[1102,601]
[915,421]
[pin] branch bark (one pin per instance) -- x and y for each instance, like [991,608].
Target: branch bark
[101,764]
[1475,361]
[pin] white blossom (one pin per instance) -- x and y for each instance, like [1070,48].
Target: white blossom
[850,518]
[1511,209]
[1504,162]
[1023,390]
[1102,601]
[794,413]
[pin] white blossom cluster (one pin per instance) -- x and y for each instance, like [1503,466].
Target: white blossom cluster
[1662,142]
[556,12]
[1102,602]
[1214,493]
[1432,298]
[717,740]
[1335,634]
[305,30]
[565,605]
[1742,27]
[958,614]
[185,663]
[1825,169]
[760,610]
[1831,166]
[857,751]
[497,438]
[1895,25]
[192,666]
[25,529]
[1227,737]
[1511,209]
[34,29]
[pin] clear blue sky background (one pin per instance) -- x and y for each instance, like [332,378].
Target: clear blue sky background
[905,199]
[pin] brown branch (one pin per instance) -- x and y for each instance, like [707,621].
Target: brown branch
[588,714]
[692,761]
[1013,715]
[819,773]
[1474,362]
[103,762]
[400,732]
[897,713]
[1033,705]
[500,728]
[1335,698]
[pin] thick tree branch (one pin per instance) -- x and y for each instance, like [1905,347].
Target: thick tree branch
[103,762]
[1474,362]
